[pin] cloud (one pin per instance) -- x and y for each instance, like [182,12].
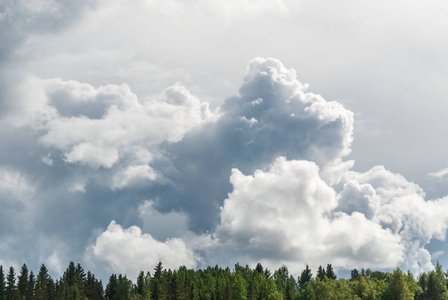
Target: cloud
[114,120]
[439,174]
[288,215]
[129,250]
[161,167]
[273,116]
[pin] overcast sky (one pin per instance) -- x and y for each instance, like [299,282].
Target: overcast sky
[202,132]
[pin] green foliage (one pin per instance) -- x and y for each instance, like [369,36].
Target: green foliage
[398,287]
[11,291]
[305,277]
[2,284]
[214,283]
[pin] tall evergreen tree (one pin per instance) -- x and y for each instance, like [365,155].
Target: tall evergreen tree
[31,286]
[305,277]
[320,273]
[173,287]
[111,287]
[22,284]
[11,285]
[267,273]
[157,282]
[259,268]
[41,292]
[329,272]
[354,274]
[2,284]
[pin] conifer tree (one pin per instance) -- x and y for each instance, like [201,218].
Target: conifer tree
[259,268]
[157,282]
[320,273]
[31,286]
[329,272]
[354,274]
[2,284]
[111,287]
[305,277]
[22,284]
[41,292]
[173,287]
[11,285]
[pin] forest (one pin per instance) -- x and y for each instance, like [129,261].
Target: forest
[216,283]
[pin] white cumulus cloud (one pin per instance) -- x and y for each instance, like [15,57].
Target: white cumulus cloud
[128,250]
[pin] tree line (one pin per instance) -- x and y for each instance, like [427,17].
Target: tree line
[215,283]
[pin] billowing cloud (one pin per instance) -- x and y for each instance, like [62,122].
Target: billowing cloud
[114,121]
[273,116]
[129,250]
[288,215]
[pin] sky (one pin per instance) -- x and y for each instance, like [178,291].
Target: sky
[208,132]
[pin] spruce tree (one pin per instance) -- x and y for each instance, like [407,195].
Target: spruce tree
[111,287]
[329,272]
[305,277]
[22,284]
[2,284]
[41,292]
[11,284]
[31,286]
[259,268]
[320,273]
[173,286]
[157,281]
[354,274]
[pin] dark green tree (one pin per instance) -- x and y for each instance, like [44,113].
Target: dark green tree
[173,287]
[123,288]
[320,273]
[259,268]
[22,284]
[267,273]
[11,289]
[329,272]
[156,282]
[2,284]
[228,291]
[305,277]
[42,282]
[31,286]
[354,274]
[111,287]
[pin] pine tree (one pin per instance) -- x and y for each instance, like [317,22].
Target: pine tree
[41,292]
[329,272]
[259,268]
[157,282]
[305,277]
[320,273]
[354,274]
[2,284]
[11,284]
[22,283]
[111,287]
[173,293]
[31,286]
